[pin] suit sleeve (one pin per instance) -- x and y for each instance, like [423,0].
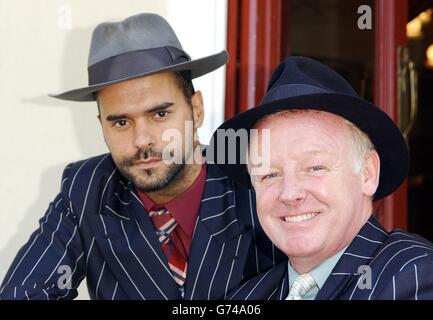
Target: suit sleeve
[414,282]
[52,263]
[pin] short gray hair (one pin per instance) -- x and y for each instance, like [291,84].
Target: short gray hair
[361,142]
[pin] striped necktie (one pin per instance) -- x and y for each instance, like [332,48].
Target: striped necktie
[301,286]
[164,225]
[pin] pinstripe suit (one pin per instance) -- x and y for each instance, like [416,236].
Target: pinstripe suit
[401,268]
[98,227]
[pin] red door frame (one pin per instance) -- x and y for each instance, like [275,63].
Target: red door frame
[255,34]
[390,33]
[256,29]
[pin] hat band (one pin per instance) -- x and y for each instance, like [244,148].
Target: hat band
[291,90]
[135,63]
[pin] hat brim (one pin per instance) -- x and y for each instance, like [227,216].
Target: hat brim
[386,137]
[198,68]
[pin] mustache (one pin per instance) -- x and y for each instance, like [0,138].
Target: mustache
[142,154]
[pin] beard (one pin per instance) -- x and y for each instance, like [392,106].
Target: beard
[152,179]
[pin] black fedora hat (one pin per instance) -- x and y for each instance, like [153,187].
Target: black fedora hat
[303,83]
[141,45]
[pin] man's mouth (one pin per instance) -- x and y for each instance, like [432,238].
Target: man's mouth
[148,163]
[301,217]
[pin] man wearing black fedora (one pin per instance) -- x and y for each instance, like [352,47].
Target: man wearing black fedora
[330,154]
[149,220]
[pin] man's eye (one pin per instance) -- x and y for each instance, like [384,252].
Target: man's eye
[269,176]
[316,168]
[161,114]
[120,123]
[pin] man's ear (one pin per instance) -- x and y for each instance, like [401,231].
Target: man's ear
[197,108]
[99,108]
[371,173]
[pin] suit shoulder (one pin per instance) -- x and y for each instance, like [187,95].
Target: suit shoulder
[400,239]
[245,197]
[402,267]
[87,166]
[94,172]
[402,250]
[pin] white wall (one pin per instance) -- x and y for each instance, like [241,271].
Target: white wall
[43,48]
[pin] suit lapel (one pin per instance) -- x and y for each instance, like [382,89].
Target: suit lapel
[345,276]
[220,243]
[270,285]
[127,240]
[277,283]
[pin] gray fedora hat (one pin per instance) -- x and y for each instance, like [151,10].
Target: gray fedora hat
[140,45]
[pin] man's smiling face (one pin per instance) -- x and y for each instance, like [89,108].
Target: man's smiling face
[313,201]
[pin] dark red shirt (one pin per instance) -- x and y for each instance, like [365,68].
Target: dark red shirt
[184,209]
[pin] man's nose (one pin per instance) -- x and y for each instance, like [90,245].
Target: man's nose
[292,191]
[143,136]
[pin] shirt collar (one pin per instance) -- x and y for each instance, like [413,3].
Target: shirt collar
[319,273]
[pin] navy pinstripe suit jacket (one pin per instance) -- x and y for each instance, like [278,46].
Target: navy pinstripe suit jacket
[98,227]
[401,267]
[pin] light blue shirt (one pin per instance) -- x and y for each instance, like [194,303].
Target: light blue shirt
[319,274]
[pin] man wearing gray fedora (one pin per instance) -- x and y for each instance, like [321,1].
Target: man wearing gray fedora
[149,220]
[329,155]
